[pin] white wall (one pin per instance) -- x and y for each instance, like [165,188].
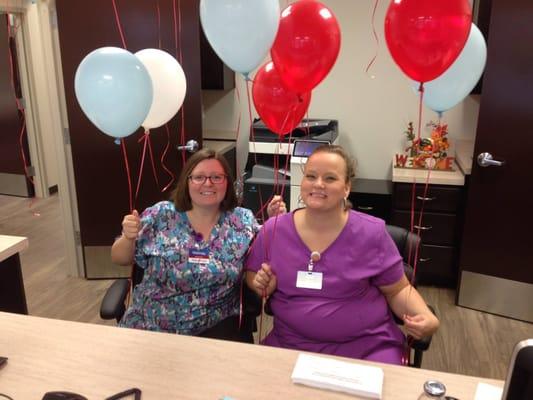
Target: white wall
[372,113]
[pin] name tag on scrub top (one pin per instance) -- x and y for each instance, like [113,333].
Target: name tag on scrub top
[199,256]
[309,280]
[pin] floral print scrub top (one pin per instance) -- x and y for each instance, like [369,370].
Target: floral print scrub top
[176,295]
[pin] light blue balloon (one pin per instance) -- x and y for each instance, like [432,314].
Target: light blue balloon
[459,79]
[240,31]
[114,90]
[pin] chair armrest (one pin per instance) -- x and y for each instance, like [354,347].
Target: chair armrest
[113,302]
[251,302]
[421,344]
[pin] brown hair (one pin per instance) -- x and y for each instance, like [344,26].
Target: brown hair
[181,195]
[349,164]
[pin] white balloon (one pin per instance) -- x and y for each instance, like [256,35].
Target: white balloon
[169,84]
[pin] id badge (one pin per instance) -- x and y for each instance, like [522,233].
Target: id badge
[199,256]
[309,280]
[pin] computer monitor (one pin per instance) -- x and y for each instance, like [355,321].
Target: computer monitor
[519,382]
[304,148]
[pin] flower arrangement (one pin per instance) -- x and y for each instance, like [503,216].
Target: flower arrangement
[429,152]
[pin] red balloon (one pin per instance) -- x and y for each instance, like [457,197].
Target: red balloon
[279,108]
[307,44]
[425,37]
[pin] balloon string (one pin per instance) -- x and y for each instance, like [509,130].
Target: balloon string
[181,63]
[119,25]
[163,161]
[413,189]
[20,108]
[376,39]
[176,8]
[124,152]
[240,176]
[22,152]
[276,170]
[149,140]
[179,21]
[163,156]
[22,116]
[414,262]
[174,12]
[158,24]
[420,109]
[261,211]
[145,138]
[252,134]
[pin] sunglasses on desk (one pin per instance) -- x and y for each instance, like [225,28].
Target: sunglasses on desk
[74,396]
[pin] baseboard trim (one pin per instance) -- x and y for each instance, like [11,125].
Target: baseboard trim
[496,295]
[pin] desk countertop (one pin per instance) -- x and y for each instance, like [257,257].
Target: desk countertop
[408,175]
[10,245]
[98,361]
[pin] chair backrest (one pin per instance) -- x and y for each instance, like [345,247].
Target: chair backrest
[406,242]
[137,275]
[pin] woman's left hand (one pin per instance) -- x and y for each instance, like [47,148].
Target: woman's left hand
[276,206]
[420,325]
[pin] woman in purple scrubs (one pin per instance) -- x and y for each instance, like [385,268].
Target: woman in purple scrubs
[333,275]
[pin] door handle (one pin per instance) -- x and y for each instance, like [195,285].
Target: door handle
[425,198]
[486,160]
[423,228]
[191,146]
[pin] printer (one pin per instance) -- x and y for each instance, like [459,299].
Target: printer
[270,154]
[263,183]
[319,129]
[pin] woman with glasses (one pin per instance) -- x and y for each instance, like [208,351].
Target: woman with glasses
[191,250]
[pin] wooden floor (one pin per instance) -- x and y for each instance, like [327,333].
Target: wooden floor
[468,342]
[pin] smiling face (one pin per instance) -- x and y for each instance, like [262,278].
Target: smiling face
[324,183]
[207,194]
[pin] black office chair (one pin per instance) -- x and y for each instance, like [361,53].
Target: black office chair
[114,306]
[404,241]
[407,242]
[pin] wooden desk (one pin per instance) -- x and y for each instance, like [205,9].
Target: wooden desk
[98,361]
[12,294]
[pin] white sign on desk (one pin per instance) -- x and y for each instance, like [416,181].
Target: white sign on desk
[327,373]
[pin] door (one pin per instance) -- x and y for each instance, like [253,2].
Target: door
[496,256]
[13,179]
[98,163]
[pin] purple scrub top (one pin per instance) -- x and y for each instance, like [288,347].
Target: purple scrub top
[349,316]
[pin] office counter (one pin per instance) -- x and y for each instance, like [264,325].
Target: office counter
[98,361]
[12,294]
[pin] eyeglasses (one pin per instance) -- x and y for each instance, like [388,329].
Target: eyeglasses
[201,179]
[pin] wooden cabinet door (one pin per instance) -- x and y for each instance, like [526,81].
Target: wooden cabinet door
[496,254]
[99,171]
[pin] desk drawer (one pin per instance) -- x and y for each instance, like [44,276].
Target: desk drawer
[373,204]
[438,198]
[436,229]
[437,266]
